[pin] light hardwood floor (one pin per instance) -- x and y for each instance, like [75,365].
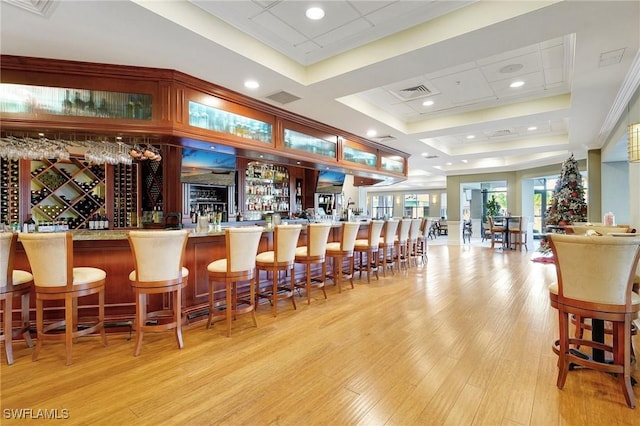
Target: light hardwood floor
[465,340]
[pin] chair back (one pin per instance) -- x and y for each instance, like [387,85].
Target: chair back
[317,237]
[158,255]
[515,223]
[349,233]
[403,230]
[389,232]
[524,223]
[242,247]
[285,242]
[7,248]
[426,227]
[595,269]
[50,256]
[414,230]
[375,229]
[600,229]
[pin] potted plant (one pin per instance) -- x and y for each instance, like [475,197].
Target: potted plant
[492,208]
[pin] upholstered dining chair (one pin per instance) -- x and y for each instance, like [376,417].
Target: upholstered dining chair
[13,283]
[338,251]
[386,244]
[158,258]
[280,259]
[595,276]
[238,266]
[56,279]
[313,253]
[518,232]
[367,249]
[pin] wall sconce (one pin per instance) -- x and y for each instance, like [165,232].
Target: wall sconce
[434,199]
[634,143]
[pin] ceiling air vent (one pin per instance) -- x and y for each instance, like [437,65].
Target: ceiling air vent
[283,97]
[429,157]
[385,138]
[502,133]
[413,92]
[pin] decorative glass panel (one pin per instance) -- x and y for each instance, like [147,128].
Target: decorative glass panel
[21,98]
[297,140]
[210,118]
[392,165]
[360,157]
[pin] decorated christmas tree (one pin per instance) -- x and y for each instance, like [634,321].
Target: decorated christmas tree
[567,203]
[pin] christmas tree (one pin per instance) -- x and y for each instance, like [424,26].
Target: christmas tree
[567,203]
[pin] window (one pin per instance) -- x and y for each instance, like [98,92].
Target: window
[416,205]
[381,206]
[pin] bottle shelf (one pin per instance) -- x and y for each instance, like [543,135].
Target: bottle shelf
[9,191]
[67,192]
[266,189]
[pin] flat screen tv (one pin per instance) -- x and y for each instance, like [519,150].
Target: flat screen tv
[330,182]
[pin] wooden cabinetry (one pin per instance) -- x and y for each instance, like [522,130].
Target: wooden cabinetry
[69,191]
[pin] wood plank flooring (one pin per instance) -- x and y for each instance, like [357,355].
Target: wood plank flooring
[464,340]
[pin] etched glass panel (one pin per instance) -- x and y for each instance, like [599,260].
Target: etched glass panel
[210,118]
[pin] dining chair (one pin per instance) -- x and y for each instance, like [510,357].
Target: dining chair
[497,232]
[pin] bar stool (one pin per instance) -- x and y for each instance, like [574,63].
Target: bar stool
[239,265]
[313,253]
[412,241]
[370,246]
[386,244]
[341,250]
[400,243]
[280,259]
[158,257]
[13,283]
[55,278]
[421,245]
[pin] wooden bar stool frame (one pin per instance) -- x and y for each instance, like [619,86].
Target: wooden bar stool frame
[313,253]
[14,283]
[164,274]
[368,248]
[60,280]
[340,250]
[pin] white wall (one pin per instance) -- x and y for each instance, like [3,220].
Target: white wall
[615,190]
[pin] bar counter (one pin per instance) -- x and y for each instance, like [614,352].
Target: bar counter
[110,251]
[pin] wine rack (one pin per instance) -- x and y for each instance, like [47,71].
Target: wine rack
[152,185]
[9,191]
[69,191]
[125,195]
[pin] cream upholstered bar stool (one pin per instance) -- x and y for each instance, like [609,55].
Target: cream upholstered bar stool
[368,248]
[340,250]
[280,259]
[55,278]
[313,253]
[13,283]
[238,266]
[386,244]
[400,243]
[595,277]
[421,245]
[158,257]
[412,241]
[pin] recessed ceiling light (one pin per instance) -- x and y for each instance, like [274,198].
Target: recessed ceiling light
[532,128]
[315,13]
[471,136]
[465,161]
[515,84]
[425,154]
[371,133]
[251,84]
[449,163]
[427,103]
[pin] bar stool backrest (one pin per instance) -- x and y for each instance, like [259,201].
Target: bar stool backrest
[403,231]
[317,236]
[375,229]
[390,229]
[414,230]
[242,247]
[595,269]
[286,240]
[349,235]
[50,257]
[158,255]
[7,244]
